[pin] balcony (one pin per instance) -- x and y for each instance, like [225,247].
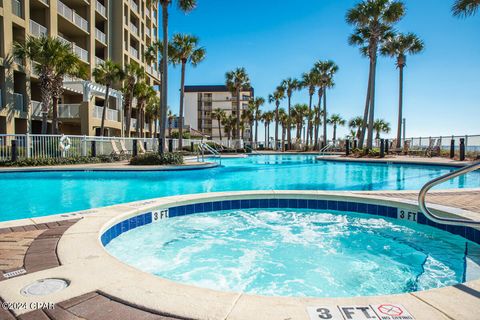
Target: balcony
[134,6]
[17,8]
[148,32]
[134,52]
[36,108]
[69,111]
[101,8]
[37,30]
[99,61]
[133,123]
[18,102]
[81,53]
[134,29]
[112,114]
[100,36]
[72,16]
[147,12]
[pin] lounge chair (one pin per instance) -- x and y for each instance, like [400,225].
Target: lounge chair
[141,149]
[115,151]
[124,149]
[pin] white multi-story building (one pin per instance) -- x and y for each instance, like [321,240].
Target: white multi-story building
[200,101]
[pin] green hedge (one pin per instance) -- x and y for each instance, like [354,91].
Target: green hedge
[153,159]
[58,161]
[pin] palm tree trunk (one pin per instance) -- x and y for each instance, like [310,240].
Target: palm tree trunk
[266,136]
[400,108]
[180,118]
[54,128]
[237,135]
[104,112]
[334,133]
[129,113]
[164,104]
[289,134]
[371,117]
[309,126]
[325,117]
[256,130]
[277,104]
[363,128]
[317,131]
[284,129]
[219,129]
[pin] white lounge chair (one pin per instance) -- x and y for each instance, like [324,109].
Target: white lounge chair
[124,149]
[115,151]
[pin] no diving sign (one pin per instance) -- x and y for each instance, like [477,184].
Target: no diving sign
[385,311]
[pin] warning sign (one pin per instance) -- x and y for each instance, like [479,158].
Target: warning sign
[385,311]
[388,311]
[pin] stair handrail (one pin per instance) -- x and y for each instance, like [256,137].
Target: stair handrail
[423,193]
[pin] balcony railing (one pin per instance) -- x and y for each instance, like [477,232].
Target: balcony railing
[18,102]
[112,114]
[147,12]
[134,6]
[148,32]
[72,16]
[81,53]
[36,108]
[100,36]
[17,8]
[133,29]
[101,8]
[69,111]
[99,61]
[133,123]
[37,29]
[134,52]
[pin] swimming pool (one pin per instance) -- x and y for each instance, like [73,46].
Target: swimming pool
[33,194]
[298,252]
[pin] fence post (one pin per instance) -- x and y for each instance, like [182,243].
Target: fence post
[355,144]
[84,146]
[452,148]
[170,145]
[191,147]
[27,146]
[462,149]
[134,148]
[94,149]
[382,148]
[14,151]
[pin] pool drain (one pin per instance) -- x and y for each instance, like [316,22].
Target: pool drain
[44,287]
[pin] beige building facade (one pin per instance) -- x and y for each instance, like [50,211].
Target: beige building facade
[200,101]
[96,30]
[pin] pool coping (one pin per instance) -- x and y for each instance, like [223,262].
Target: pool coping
[412,161]
[90,267]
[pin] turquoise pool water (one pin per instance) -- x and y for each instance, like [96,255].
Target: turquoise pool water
[24,195]
[297,252]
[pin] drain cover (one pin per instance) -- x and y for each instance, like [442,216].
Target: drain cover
[44,287]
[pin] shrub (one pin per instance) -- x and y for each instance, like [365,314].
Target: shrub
[155,159]
[57,161]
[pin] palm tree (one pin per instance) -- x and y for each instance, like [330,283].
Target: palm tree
[185,50]
[356,125]
[289,85]
[152,110]
[254,106]
[284,120]
[267,119]
[317,122]
[133,74]
[143,92]
[336,120]
[219,114]
[185,6]
[170,116]
[373,21]
[325,71]
[229,124]
[309,81]
[398,47]
[465,8]
[108,73]
[47,52]
[299,112]
[380,126]
[276,97]
[236,81]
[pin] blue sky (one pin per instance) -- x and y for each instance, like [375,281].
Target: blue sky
[276,39]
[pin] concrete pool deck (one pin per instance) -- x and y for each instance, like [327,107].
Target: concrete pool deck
[102,287]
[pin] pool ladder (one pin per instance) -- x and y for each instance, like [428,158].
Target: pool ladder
[204,147]
[441,179]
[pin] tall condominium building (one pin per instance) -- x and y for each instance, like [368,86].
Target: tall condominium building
[96,30]
[200,101]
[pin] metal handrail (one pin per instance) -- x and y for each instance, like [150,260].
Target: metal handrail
[205,147]
[325,149]
[437,181]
